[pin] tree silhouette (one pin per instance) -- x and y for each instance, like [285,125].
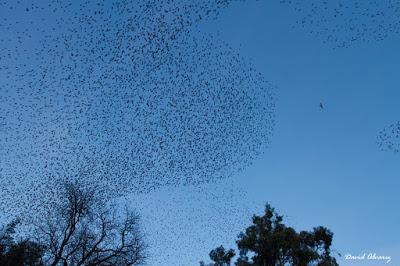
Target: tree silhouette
[220,257]
[269,242]
[18,253]
[81,231]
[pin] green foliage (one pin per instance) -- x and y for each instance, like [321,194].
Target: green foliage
[269,242]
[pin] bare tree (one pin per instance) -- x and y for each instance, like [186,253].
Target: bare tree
[82,230]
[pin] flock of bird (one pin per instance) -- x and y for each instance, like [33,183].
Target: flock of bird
[344,24]
[347,23]
[124,96]
[199,218]
[129,97]
[389,138]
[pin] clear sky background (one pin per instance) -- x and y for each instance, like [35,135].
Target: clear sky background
[323,166]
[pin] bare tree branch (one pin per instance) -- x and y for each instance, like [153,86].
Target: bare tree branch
[83,231]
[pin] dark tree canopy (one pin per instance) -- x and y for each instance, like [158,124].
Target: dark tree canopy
[269,242]
[18,253]
[220,257]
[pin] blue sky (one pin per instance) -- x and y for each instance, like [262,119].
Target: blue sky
[323,167]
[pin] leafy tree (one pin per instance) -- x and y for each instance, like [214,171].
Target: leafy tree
[18,253]
[220,257]
[269,242]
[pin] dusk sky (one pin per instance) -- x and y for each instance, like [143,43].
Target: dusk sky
[319,166]
[324,166]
